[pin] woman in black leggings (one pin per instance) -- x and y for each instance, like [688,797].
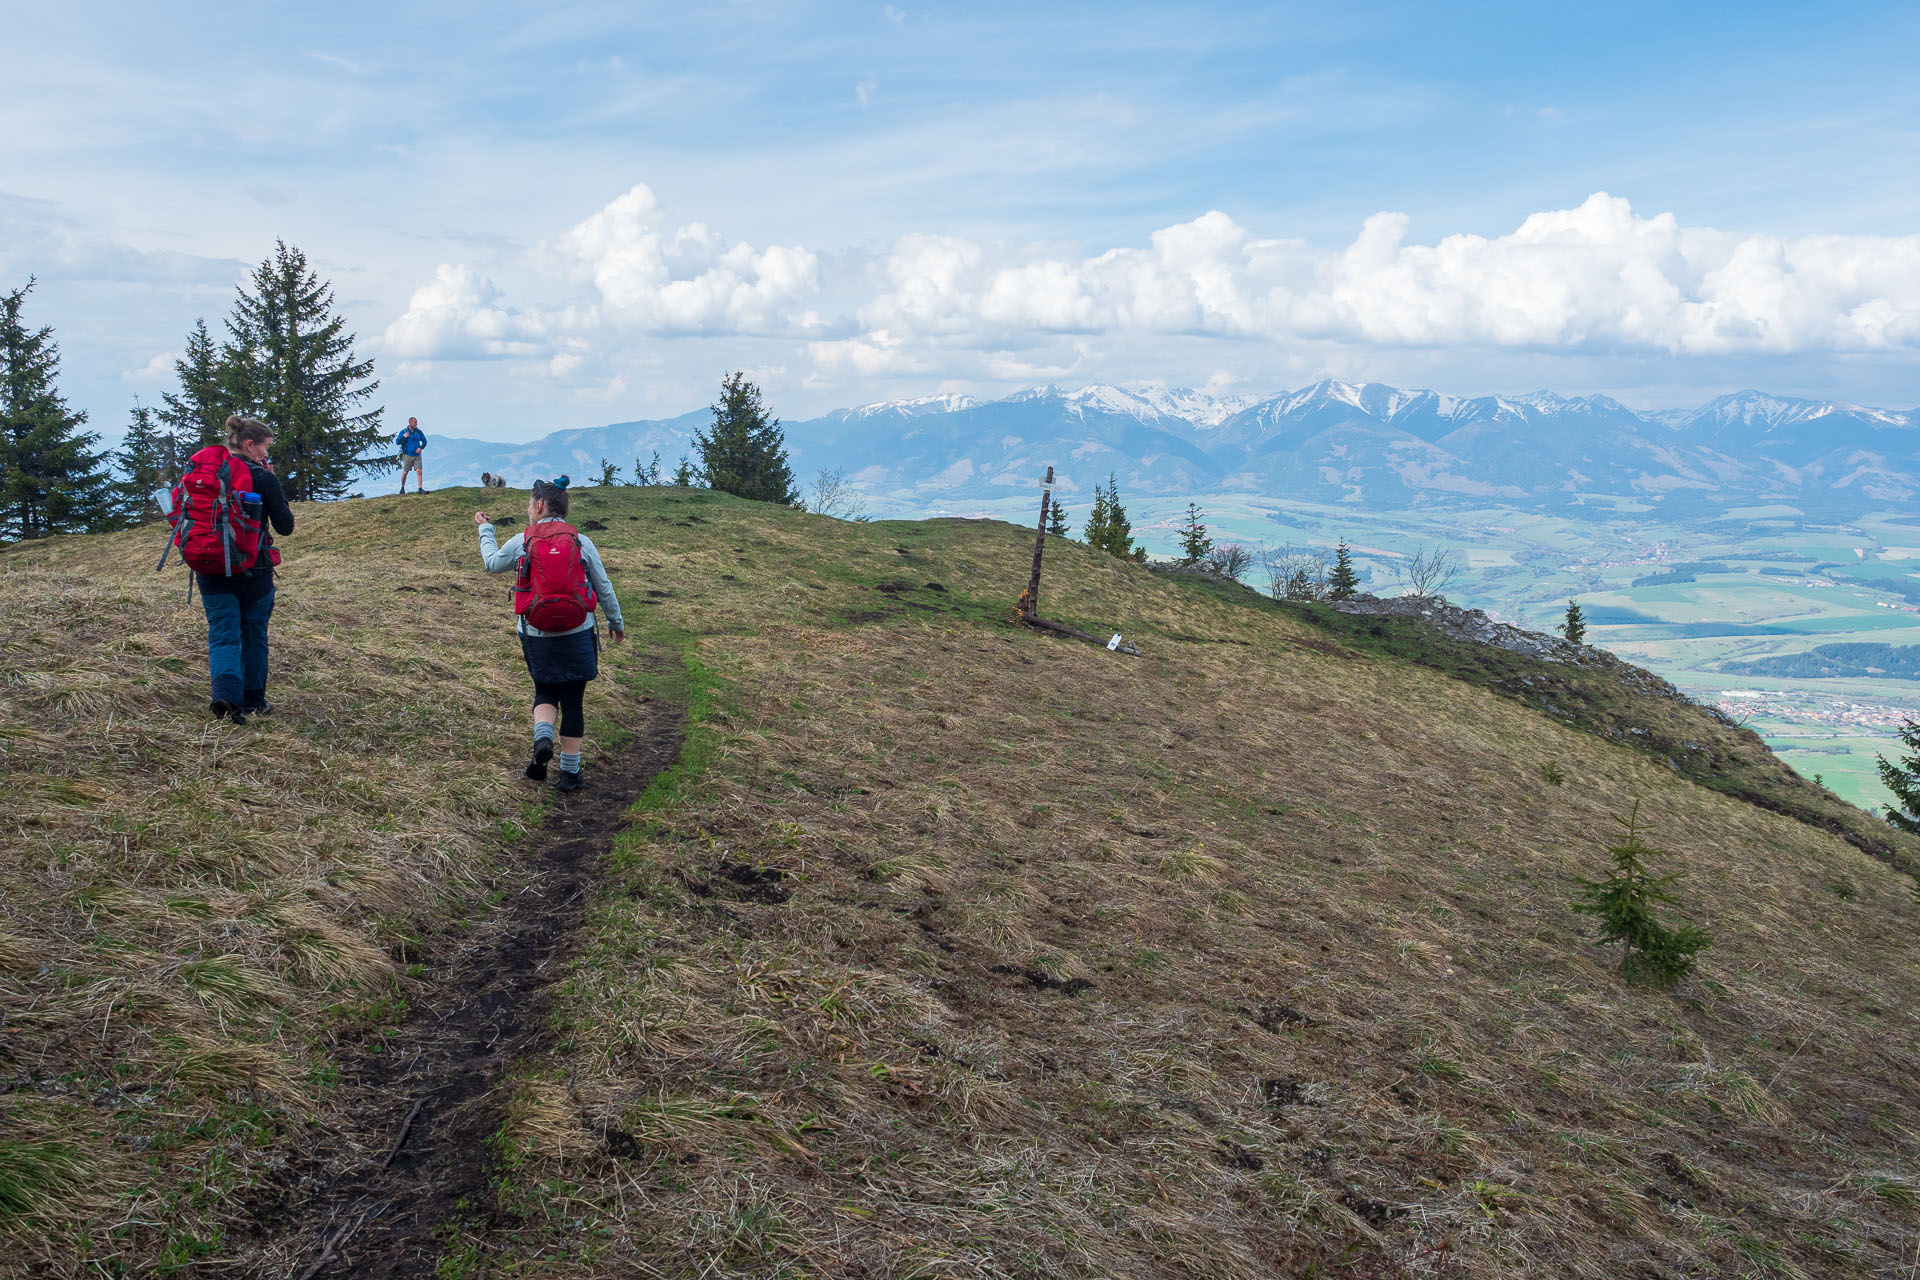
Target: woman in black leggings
[560,661]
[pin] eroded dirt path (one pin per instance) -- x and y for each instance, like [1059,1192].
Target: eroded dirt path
[372,1198]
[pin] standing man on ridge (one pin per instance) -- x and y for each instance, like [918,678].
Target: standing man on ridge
[411,442]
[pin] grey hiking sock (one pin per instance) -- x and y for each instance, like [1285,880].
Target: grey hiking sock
[542,732]
[569,762]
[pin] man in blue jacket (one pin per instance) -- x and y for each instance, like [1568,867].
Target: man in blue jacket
[411,442]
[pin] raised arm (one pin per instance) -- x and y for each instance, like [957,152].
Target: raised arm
[602,584]
[497,559]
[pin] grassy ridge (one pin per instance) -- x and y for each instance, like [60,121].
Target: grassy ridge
[200,926]
[950,949]
[976,953]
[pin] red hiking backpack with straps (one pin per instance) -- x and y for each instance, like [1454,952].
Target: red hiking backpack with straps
[551,591]
[211,526]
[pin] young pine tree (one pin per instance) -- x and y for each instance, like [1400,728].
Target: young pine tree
[147,459]
[1575,627]
[744,452]
[647,473]
[196,415]
[609,474]
[1194,540]
[289,361]
[1343,583]
[1623,903]
[1902,777]
[684,476]
[50,480]
[1057,519]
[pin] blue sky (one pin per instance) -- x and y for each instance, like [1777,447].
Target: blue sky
[548,219]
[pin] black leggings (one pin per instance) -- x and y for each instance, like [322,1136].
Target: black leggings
[565,695]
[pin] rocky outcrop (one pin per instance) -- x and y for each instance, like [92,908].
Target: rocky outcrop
[1475,626]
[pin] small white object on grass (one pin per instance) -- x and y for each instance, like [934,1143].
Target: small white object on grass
[1114,643]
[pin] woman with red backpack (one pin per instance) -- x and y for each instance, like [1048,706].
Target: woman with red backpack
[559,580]
[224,498]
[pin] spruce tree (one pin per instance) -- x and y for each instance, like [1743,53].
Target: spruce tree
[1343,583]
[1575,627]
[1117,532]
[1095,534]
[147,459]
[196,415]
[1623,902]
[1194,539]
[744,452]
[683,476]
[289,361]
[609,473]
[1903,779]
[1056,518]
[50,480]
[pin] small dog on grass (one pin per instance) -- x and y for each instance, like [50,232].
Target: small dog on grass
[488,480]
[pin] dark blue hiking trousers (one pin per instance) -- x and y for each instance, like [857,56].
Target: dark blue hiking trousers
[237,646]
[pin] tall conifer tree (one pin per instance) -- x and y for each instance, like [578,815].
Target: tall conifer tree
[196,415]
[147,459]
[289,360]
[50,479]
[744,452]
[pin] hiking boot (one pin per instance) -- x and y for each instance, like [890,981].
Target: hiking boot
[224,710]
[569,780]
[537,766]
[260,708]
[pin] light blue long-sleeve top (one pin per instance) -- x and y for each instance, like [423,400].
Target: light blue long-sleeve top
[499,559]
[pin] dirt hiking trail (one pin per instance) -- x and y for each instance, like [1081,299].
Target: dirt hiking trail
[371,1199]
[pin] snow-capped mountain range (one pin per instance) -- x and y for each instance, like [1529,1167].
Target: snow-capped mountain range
[1333,441]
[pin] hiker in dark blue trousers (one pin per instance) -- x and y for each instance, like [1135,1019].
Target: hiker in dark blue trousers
[239,605]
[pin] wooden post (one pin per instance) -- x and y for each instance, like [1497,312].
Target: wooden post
[1030,600]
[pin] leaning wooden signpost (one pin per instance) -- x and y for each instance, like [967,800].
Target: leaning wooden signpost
[1028,606]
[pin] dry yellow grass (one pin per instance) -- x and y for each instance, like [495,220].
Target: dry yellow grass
[971,952]
[1242,959]
[202,923]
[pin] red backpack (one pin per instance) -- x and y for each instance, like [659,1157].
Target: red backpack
[211,526]
[552,592]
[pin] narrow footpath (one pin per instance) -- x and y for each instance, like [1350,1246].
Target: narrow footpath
[372,1200]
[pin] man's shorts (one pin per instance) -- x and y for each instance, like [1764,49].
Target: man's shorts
[409,463]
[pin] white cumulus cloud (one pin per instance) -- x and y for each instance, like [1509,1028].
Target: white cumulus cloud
[1596,277]
[460,314]
[689,280]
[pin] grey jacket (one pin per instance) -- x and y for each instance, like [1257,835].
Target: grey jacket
[499,559]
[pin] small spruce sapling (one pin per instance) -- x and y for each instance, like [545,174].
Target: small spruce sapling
[609,474]
[1195,542]
[1902,777]
[1575,627]
[1343,583]
[684,476]
[1623,903]
[1056,518]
